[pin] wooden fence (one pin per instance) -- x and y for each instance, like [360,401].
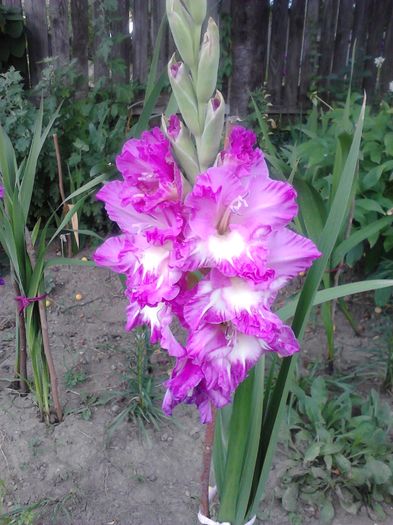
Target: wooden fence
[291,46]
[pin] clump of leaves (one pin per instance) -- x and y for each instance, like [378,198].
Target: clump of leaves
[140,395]
[90,131]
[74,377]
[340,450]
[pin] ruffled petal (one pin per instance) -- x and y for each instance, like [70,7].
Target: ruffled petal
[153,278]
[115,254]
[268,203]
[162,223]
[147,164]
[159,319]
[290,254]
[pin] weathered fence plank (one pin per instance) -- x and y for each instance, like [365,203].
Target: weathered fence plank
[12,3]
[343,37]
[80,28]
[121,49]
[140,40]
[59,35]
[328,29]
[157,14]
[309,61]
[37,37]
[278,43]
[380,14]
[295,44]
[387,69]
[249,39]
[100,42]
[288,46]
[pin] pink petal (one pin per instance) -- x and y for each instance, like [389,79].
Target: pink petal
[164,222]
[114,254]
[290,254]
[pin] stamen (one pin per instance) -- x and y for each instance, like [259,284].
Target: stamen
[238,203]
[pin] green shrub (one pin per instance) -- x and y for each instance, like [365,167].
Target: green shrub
[90,131]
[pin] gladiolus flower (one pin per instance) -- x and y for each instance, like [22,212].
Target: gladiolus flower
[232,228]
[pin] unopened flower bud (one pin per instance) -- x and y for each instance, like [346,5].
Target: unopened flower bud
[184,93]
[182,146]
[209,143]
[180,24]
[208,63]
[197,9]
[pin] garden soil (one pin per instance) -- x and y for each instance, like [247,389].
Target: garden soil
[80,475]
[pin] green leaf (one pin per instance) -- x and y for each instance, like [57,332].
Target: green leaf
[290,498]
[326,514]
[30,168]
[331,448]
[357,237]
[388,141]
[61,261]
[342,463]
[335,292]
[379,471]
[382,297]
[312,209]
[172,106]
[148,107]
[237,446]
[152,76]
[256,403]
[369,205]
[319,391]
[85,188]
[312,452]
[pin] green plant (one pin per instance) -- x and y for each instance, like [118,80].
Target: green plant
[339,449]
[141,391]
[74,377]
[90,131]
[48,509]
[26,252]
[314,160]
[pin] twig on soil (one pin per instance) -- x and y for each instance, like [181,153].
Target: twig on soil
[45,336]
[63,310]
[206,462]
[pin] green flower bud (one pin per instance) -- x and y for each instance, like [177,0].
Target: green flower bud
[209,143]
[182,146]
[184,93]
[180,23]
[197,9]
[208,63]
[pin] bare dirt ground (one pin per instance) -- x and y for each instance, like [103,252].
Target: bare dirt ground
[73,470]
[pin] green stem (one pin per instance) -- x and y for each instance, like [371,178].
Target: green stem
[238,438]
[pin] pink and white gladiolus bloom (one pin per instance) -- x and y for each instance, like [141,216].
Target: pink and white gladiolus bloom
[231,228]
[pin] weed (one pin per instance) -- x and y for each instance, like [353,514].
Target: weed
[339,449]
[33,514]
[140,392]
[74,377]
